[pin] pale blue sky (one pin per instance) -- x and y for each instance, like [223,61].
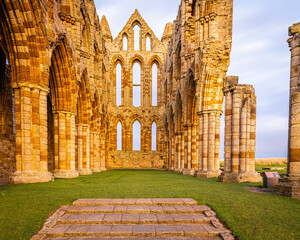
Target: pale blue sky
[260,55]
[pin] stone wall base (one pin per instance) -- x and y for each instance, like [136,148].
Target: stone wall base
[178,170]
[207,174]
[65,174]
[103,169]
[85,172]
[233,177]
[30,177]
[288,188]
[188,171]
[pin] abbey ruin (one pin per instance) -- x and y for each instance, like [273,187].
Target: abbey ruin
[76,101]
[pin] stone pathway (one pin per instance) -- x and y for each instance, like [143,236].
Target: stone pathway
[155,218]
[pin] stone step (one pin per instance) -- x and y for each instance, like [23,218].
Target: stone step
[111,218]
[140,209]
[128,230]
[136,201]
[135,238]
[92,219]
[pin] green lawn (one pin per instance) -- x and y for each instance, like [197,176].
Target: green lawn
[259,168]
[24,208]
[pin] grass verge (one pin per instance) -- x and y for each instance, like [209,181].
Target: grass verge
[24,208]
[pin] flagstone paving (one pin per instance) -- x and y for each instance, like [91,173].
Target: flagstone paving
[155,218]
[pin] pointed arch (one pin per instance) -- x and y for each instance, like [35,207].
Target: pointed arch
[119,136]
[84,109]
[125,42]
[154,81]
[118,77]
[136,84]
[148,42]
[136,136]
[62,79]
[137,36]
[153,136]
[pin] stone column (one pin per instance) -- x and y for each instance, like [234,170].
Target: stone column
[290,185]
[194,150]
[102,151]
[188,170]
[240,122]
[84,164]
[209,142]
[95,152]
[31,134]
[64,141]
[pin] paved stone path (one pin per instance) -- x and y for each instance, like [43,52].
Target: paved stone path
[155,218]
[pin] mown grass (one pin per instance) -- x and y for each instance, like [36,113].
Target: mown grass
[259,168]
[24,208]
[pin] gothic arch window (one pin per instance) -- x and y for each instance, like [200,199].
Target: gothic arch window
[154,84]
[136,136]
[148,43]
[153,137]
[125,43]
[136,32]
[119,136]
[119,84]
[136,84]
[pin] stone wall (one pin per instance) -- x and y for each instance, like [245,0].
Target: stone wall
[7,134]
[126,114]
[196,65]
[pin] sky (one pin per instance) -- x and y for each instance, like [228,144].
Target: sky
[260,55]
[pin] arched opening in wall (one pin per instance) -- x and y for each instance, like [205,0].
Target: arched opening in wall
[192,116]
[125,43]
[178,62]
[118,85]
[153,137]
[136,84]
[119,136]
[61,107]
[136,136]
[148,43]
[136,33]
[194,8]
[7,119]
[154,83]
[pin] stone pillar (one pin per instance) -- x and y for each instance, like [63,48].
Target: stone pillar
[84,163]
[64,142]
[209,142]
[95,152]
[31,134]
[290,185]
[194,150]
[240,125]
[188,170]
[102,151]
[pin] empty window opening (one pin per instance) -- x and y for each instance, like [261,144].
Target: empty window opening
[136,30]
[119,136]
[154,85]
[153,137]
[118,85]
[136,84]
[148,44]
[125,43]
[136,136]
